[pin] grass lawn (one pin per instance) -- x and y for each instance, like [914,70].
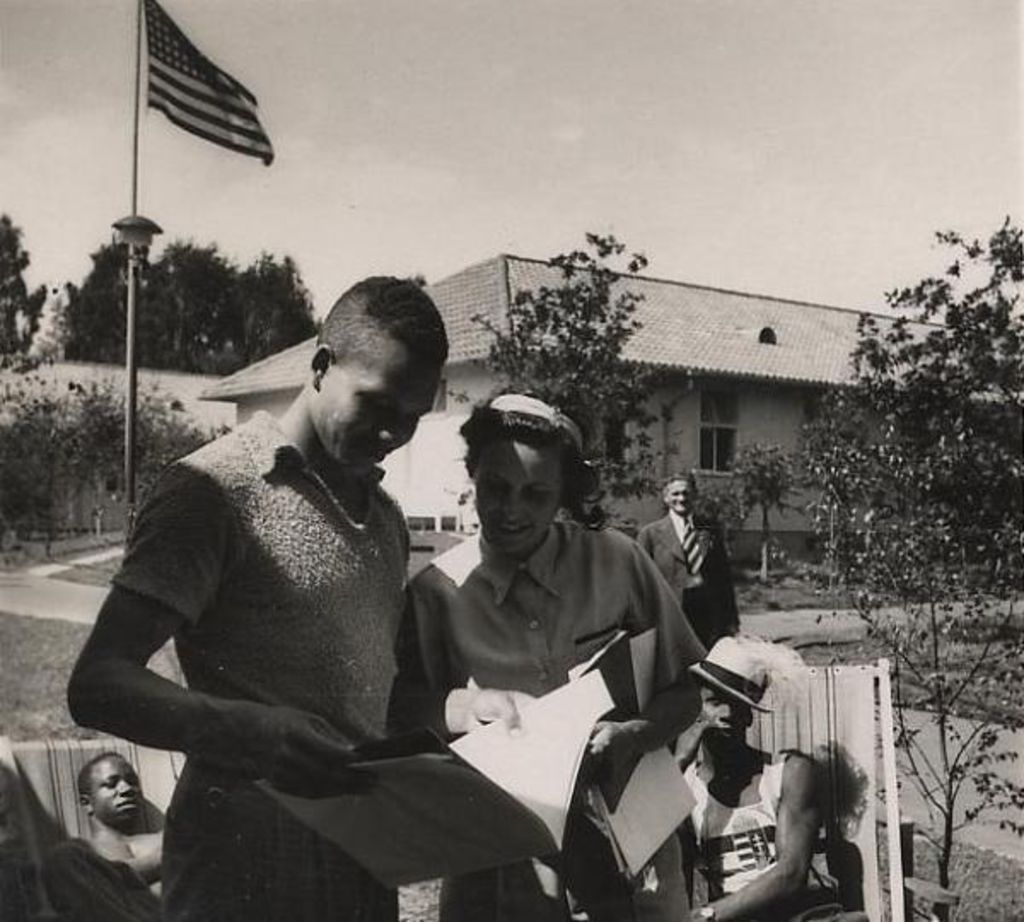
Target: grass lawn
[989,885]
[36,657]
[783,592]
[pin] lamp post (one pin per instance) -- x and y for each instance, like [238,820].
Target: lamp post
[137,232]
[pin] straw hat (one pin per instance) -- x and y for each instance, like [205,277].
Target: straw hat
[733,667]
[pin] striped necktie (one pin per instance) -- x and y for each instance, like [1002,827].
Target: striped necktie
[692,551]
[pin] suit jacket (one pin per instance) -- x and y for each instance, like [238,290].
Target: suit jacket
[710,606]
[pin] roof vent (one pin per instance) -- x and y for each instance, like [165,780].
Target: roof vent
[767,336]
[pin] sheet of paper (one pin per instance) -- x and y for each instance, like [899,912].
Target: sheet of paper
[538,764]
[655,802]
[614,637]
[642,648]
[627,664]
[427,816]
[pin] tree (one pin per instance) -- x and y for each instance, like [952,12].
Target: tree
[19,309]
[94,318]
[764,478]
[191,316]
[197,311]
[33,458]
[565,343]
[277,310]
[920,466]
[56,442]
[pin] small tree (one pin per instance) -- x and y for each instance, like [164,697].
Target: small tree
[721,504]
[764,479]
[19,309]
[56,442]
[565,344]
[34,464]
[920,465]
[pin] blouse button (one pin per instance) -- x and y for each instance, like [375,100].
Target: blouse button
[534,624]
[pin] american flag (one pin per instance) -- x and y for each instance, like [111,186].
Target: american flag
[197,95]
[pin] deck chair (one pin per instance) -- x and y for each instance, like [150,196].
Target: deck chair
[42,776]
[844,723]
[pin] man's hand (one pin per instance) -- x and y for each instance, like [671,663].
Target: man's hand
[619,746]
[297,752]
[689,740]
[469,708]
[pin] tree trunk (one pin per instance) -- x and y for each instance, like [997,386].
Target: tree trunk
[765,538]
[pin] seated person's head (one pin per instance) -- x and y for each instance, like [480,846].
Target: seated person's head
[376,369]
[525,458]
[109,790]
[733,679]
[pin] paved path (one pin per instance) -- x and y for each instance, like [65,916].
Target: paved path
[52,569]
[35,596]
[806,626]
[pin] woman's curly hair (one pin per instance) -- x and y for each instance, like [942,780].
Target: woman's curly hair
[580,485]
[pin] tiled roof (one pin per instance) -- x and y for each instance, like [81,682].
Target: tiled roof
[687,327]
[710,330]
[281,371]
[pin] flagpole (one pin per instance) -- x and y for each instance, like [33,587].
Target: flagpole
[137,232]
[135,111]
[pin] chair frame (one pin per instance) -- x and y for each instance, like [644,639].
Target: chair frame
[824,684]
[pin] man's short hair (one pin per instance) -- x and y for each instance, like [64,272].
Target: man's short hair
[687,477]
[384,305]
[84,780]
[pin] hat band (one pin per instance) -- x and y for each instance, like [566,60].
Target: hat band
[733,680]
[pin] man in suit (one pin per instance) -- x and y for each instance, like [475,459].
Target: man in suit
[691,555]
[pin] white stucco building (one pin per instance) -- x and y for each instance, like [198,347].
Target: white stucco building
[734,369]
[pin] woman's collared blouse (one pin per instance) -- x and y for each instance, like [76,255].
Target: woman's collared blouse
[521,626]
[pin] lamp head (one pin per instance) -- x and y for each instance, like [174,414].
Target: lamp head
[136,230]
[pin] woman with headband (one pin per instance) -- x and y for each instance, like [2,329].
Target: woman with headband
[509,613]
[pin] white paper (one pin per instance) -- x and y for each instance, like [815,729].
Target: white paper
[538,764]
[656,801]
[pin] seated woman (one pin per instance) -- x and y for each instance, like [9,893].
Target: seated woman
[756,820]
[508,614]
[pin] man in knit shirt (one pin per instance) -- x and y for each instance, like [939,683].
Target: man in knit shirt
[277,563]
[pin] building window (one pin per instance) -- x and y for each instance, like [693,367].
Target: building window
[767,336]
[717,430]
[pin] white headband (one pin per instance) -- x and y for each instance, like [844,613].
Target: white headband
[531,406]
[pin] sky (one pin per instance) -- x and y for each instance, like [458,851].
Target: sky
[796,148]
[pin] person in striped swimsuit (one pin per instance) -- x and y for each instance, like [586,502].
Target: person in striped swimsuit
[756,819]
